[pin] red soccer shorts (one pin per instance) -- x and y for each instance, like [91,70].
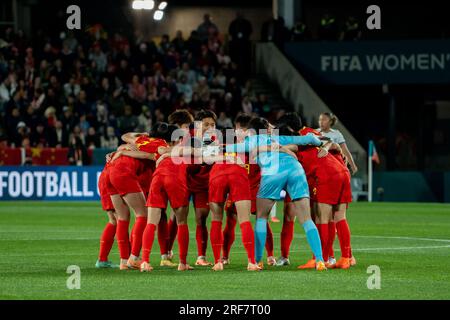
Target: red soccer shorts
[200,199]
[334,189]
[145,180]
[231,208]
[236,186]
[123,182]
[167,188]
[105,199]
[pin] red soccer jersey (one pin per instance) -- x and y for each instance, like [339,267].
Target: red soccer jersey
[150,145]
[254,173]
[219,169]
[313,165]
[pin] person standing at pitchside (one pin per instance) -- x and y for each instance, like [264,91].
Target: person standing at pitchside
[327,121]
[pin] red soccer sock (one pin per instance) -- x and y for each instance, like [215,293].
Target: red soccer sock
[269,241]
[172,230]
[106,241]
[287,234]
[248,239]
[123,241]
[183,242]
[162,235]
[331,237]
[343,232]
[228,236]
[201,235]
[216,239]
[147,241]
[138,231]
[323,233]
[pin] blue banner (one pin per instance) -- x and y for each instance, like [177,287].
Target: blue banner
[60,183]
[372,62]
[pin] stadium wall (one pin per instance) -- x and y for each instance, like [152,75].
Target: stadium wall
[295,89]
[49,183]
[411,186]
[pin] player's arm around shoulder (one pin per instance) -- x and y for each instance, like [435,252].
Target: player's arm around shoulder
[131,137]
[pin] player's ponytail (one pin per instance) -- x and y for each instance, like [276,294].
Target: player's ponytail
[332,117]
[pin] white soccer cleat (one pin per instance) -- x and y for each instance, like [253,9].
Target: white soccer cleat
[282,261]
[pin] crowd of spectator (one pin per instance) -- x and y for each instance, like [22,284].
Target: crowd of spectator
[84,89]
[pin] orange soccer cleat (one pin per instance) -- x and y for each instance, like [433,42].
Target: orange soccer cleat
[320,266]
[311,264]
[343,263]
[275,219]
[260,265]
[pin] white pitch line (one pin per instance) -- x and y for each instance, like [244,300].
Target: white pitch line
[241,252]
[402,238]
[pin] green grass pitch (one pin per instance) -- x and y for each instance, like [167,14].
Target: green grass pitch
[410,243]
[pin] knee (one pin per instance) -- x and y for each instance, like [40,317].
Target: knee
[112,218]
[339,216]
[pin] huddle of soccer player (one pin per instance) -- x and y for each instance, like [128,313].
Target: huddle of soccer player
[184,159]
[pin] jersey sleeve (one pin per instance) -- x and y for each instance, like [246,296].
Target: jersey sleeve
[339,138]
[248,144]
[298,140]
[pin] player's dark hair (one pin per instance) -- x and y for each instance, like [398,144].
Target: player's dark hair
[291,119]
[286,130]
[258,123]
[203,114]
[243,119]
[163,130]
[331,116]
[180,117]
